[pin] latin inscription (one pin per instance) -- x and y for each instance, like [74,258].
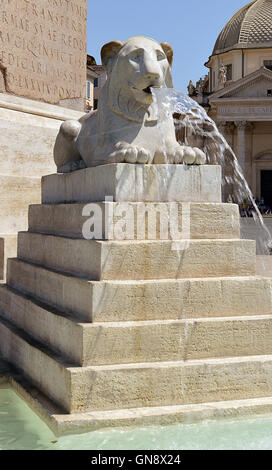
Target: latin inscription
[244,110]
[43,48]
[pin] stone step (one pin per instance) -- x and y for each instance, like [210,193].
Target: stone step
[142,341]
[194,220]
[62,423]
[138,183]
[95,388]
[124,260]
[8,249]
[142,300]
[17,192]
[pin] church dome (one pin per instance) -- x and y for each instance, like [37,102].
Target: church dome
[250,27]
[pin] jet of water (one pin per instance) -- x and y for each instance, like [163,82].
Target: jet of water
[195,128]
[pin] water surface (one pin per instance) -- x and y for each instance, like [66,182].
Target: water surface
[21,429]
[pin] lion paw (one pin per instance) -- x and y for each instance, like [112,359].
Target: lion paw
[133,155]
[137,155]
[193,156]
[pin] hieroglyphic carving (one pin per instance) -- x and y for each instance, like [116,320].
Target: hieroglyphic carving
[43,48]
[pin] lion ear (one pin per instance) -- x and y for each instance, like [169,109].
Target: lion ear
[168,50]
[109,51]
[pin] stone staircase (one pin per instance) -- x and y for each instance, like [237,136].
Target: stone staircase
[119,332]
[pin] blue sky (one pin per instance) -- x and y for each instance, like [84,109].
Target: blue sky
[191,27]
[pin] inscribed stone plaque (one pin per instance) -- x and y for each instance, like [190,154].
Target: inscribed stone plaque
[43,50]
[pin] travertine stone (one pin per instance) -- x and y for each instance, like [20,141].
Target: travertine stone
[141,341]
[33,112]
[62,424]
[142,300]
[136,385]
[213,220]
[17,192]
[26,149]
[146,416]
[28,131]
[95,260]
[138,183]
[8,249]
[43,54]
[122,260]
[155,384]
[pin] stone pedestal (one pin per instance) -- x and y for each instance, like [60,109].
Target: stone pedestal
[133,331]
[124,182]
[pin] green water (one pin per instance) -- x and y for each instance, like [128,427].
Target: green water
[21,429]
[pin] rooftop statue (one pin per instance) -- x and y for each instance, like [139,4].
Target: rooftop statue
[125,128]
[222,75]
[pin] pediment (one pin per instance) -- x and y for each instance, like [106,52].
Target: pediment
[254,85]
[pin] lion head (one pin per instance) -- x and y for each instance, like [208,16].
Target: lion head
[133,68]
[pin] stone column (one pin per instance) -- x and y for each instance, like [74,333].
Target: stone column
[222,127]
[241,143]
[249,151]
[226,129]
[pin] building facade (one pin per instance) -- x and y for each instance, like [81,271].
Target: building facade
[96,78]
[237,92]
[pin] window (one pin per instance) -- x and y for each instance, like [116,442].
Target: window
[269,92]
[88,90]
[268,64]
[95,104]
[96,83]
[229,72]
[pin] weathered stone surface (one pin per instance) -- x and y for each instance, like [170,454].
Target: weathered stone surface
[43,50]
[28,130]
[196,220]
[139,341]
[149,416]
[146,416]
[112,301]
[122,260]
[17,192]
[138,183]
[136,385]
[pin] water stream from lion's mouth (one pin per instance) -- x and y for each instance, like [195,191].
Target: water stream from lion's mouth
[193,122]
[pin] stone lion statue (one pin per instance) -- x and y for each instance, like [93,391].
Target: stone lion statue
[125,127]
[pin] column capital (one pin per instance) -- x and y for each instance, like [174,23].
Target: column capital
[226,127]
[241,125]
[244,125]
